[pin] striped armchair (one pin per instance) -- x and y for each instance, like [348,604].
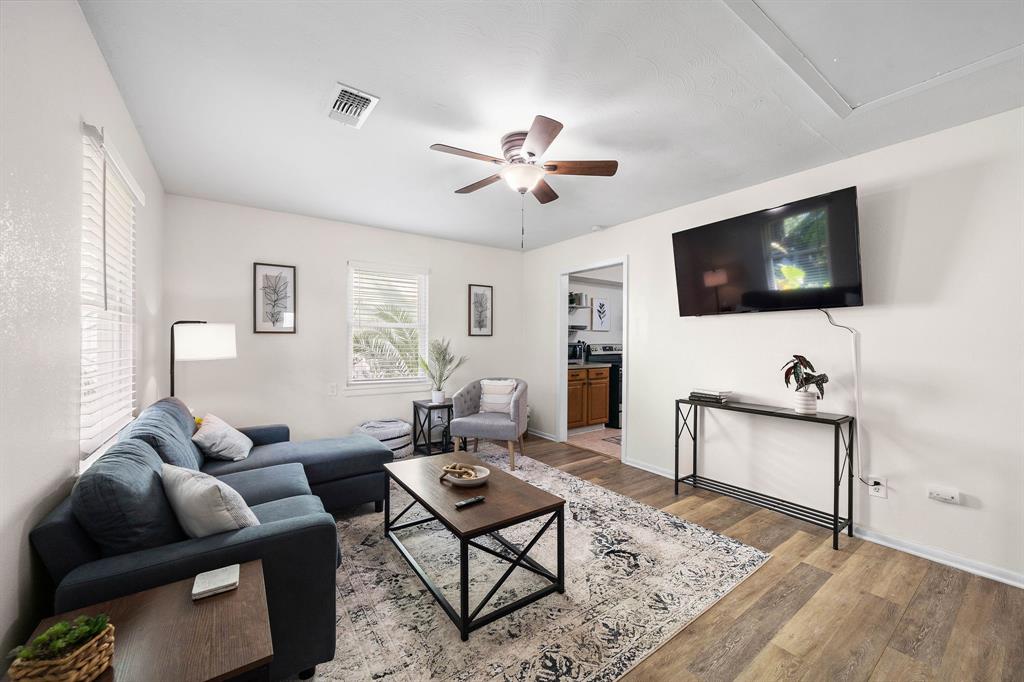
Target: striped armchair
[469,422]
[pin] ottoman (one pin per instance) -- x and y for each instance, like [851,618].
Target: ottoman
[394,434]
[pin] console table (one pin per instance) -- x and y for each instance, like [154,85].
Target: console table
[842,454]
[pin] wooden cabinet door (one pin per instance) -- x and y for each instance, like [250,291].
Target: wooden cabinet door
[577,407]
[597,397]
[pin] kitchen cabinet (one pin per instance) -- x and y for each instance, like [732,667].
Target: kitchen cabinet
[588,396]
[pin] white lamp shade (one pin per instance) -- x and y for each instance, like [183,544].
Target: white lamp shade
[204,341]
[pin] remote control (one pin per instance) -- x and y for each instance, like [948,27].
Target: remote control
[466,503]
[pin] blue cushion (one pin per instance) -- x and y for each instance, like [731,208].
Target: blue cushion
[257,486]
[167,426]
[120,501]
[327,459]
[288,508]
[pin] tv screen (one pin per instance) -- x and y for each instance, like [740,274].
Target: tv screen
[802,255]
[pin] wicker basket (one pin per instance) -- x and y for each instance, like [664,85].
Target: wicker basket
[84,664]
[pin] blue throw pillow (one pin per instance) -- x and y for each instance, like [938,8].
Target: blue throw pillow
[120,501]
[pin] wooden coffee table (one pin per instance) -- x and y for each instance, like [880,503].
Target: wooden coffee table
[510,501]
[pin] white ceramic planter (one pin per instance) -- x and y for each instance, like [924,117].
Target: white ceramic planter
[805,402]
[437,397]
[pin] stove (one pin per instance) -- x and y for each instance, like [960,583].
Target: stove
[612,354]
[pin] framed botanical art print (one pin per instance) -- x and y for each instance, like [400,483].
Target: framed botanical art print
[481,310]
[600,318]
[273,298]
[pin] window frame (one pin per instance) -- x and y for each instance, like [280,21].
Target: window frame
[398,384]
[110,199]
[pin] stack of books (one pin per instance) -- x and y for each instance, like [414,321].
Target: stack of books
[709,396]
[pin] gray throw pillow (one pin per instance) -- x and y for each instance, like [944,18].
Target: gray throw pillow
[120,501]
[204,505]
[219,440]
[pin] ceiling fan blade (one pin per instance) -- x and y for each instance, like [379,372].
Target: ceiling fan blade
[543,192]
[543,131]
[604,168]
[464,152]
[479,184]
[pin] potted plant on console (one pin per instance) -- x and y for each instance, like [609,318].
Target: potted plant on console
[801,372]
[68,651]
[439,365]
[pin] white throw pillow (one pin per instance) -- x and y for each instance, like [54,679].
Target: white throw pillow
[204,506]
[496,395]
[219,440]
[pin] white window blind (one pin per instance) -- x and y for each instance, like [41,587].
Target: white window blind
[387,323]
[108,298]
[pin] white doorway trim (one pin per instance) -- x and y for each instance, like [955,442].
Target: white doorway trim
[562,339]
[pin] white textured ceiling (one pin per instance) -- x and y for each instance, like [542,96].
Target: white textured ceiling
[230,101]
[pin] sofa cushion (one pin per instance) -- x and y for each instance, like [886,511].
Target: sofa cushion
[288,508]
[257,486]
[326,459]
[496,425]
[167,426]
[120,501]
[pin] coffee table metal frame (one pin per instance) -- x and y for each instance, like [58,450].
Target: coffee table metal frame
[463,618]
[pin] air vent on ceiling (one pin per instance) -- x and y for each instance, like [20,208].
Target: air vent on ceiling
[351,106]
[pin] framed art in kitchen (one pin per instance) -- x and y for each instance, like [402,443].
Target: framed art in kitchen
[273,298]
[481,310]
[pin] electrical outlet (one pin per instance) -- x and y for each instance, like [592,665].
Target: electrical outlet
[332,390]
[944,494]
[880,490]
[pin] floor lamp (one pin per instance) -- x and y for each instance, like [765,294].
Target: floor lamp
[200,340]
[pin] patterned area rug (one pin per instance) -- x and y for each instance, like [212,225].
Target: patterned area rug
[635,576]
[613,439]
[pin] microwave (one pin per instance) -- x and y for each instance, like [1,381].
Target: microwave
[577,353]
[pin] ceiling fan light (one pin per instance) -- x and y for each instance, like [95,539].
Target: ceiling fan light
[522,177]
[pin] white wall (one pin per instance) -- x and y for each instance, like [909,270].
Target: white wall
[943,374]
[612,293]
[208,255]
[52,76]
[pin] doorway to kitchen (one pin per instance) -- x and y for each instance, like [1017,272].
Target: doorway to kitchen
[593,382]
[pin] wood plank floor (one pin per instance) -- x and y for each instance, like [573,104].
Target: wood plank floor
[865,612]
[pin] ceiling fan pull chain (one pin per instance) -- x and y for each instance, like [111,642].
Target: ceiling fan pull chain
[522,221]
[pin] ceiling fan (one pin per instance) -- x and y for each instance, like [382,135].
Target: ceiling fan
[522,168]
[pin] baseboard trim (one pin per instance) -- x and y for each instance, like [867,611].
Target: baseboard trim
[648,467]
[939,556]
[942,557]
[542,434]
[924,551]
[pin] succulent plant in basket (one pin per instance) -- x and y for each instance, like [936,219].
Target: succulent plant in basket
[802,373]
[77,650]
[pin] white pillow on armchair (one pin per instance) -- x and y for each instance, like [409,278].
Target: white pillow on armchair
[496,395]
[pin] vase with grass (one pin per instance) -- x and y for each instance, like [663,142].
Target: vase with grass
[800,371]
[439,365]
[68,651]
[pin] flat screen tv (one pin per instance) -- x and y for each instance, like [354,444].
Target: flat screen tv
[802,255]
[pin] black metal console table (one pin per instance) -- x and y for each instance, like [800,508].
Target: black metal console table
[819,518]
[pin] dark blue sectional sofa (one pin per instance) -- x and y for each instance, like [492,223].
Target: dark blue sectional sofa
[116,533]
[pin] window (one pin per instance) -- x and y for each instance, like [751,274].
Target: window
[387,323]
[798,251]
[107,294]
